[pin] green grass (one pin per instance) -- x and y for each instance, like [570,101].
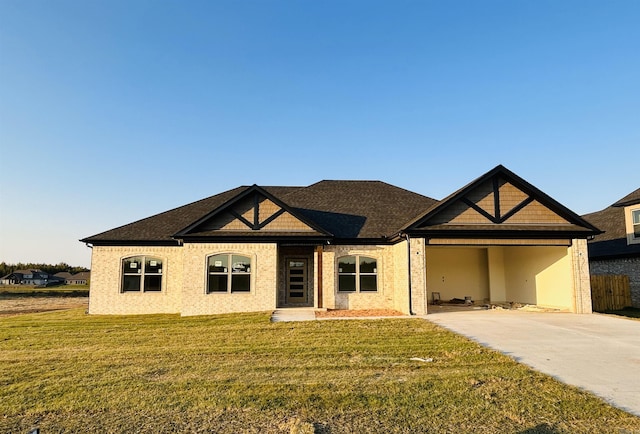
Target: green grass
[70,372]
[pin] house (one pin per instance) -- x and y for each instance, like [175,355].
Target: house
[81,278]
[346,245]
[617,250]
[31,277]
[63,275]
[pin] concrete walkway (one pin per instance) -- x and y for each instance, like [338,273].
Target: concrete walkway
[294,314]
[598,353]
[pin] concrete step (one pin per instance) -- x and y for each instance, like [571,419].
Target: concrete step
[293,314]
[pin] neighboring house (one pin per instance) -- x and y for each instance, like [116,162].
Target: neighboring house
[617,250]
[63,275]
[346,245]
[81,278]
[30,277]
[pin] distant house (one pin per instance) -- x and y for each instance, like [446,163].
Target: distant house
[63,275]
[30,277]
[81,278]
[617,250]
[346,245]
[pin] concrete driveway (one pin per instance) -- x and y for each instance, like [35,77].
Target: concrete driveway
[598,353]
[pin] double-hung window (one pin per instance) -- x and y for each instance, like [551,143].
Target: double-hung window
[357,273]
[633,225]
[228,272]
[142,273]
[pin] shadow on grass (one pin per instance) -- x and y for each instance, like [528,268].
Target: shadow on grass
[540,429]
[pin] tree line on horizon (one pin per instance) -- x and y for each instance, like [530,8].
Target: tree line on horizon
[47,268]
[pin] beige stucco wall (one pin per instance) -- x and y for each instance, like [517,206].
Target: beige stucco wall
[105,286]
[547,276]
[497,274]
[264,275]
[458,272]
[540,276]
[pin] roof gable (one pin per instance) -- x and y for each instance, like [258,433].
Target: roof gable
[500,201]
[254,211]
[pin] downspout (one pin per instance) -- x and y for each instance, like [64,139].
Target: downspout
[406,236]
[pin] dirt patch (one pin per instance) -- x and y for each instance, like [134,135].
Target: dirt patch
[10,306]
[345,313]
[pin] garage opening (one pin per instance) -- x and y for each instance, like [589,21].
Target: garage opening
[500,275]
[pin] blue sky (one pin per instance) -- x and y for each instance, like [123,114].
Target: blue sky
[111,111]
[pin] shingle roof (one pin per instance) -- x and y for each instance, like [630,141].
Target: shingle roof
[338,210]
[358,209]
[346,209]
[161,227]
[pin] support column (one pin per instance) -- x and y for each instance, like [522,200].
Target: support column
[581,278]
[319,252]
[418,276]
[497,282]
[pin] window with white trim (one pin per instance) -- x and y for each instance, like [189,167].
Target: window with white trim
[635,223]
[357,273]
[228,272]
[141,274]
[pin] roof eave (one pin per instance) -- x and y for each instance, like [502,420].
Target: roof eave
[503,234]
[99,242]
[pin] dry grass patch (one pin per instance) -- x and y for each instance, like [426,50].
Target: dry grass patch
[361,313]
[70,372]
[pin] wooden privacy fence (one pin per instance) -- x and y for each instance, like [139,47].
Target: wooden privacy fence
[610,292]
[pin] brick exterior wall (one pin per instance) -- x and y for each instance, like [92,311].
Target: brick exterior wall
[626,266]
[400,278]
[581,280]
[264,279]
[418,276]
[106,296]
[384,298]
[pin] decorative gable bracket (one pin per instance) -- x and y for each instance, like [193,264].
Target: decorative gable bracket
[254,208]
[497,217]
[256,225]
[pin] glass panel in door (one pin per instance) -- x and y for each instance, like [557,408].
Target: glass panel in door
[296,280]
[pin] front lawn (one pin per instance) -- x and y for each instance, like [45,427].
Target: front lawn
[70,372]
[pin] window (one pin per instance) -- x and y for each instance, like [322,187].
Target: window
[228,273]
[632,223]
[141,273]
[357,274]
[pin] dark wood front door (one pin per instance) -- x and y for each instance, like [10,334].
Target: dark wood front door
[297,278]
